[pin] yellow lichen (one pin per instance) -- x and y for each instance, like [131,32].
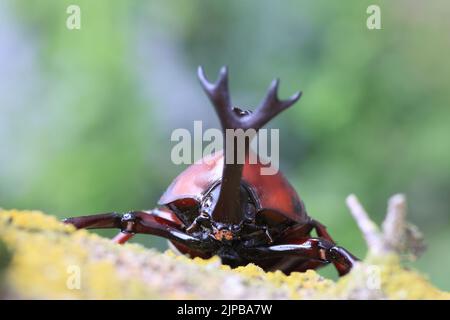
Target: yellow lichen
[394,278]
[51,260]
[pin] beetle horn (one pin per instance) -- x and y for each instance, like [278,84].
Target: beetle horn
[219,95]
[271,106]
[228,209]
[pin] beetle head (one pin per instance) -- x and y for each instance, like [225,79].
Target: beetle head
[217,229]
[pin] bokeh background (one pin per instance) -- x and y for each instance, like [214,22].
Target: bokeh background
[86,115]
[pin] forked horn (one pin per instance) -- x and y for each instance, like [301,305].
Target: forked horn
[228,209]
[271,106]
[219,95]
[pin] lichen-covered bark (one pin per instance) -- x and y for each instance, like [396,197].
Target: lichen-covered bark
[43,258]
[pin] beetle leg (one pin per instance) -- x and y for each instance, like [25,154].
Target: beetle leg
[97,221]
[148,222]
[307,265]
[317,249]
[294,264]
[122,237]
[300,231]
[322,232]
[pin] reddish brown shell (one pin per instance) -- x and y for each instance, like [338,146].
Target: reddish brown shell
[276,198]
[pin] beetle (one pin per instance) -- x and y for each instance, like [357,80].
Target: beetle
[229,209]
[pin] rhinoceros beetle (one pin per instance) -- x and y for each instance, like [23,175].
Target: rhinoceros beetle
[223,208]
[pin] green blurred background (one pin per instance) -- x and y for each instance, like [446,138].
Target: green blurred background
[86,115]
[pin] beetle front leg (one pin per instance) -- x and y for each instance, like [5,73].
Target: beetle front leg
[96,221]
[317,249]
[152,222]
[101,221]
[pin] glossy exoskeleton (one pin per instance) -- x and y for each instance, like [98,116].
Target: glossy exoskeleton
[224,208]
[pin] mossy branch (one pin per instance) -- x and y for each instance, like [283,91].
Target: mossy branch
[43,258]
